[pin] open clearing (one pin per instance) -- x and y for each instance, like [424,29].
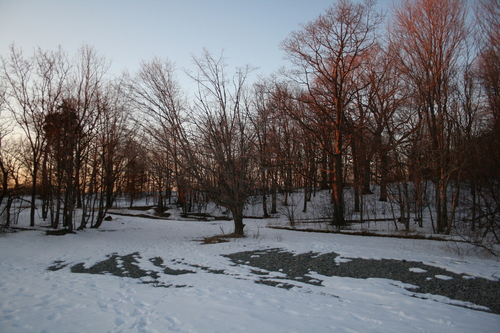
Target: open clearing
[142,275]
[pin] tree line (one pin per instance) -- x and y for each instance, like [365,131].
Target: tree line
[407,103]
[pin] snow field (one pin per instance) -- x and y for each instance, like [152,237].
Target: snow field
[34,299]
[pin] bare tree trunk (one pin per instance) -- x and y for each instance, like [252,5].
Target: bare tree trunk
[274,197]
[237,212]
[307,195]
[383,176]
[441,206]
[366,180]
[34,179]
[264,202]
[474,204]
[337,192]
[356,173]
[453,209]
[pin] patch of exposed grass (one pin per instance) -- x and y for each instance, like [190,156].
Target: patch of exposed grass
[219,238]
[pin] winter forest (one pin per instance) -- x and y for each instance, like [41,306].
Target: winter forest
[399,108]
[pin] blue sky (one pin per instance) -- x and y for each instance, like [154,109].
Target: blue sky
[128,31]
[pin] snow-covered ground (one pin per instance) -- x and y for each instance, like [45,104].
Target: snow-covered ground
[35,299]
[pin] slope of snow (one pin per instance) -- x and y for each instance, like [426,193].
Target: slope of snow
[34,299]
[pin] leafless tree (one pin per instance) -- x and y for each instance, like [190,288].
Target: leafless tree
[219,148]
[4,130]
[264,124]
[157,93]
[385,99]
[89,87]
[428,38]
[62,133]
[488,18]
[481,128]
[328,54]
[34,87]
[113,135]
[135,169]
[81,133]
[211,148]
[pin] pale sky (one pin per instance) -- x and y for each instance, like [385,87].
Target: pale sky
[129,31]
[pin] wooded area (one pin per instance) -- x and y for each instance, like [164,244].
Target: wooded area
[412,110]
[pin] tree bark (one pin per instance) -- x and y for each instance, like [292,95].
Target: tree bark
[237,212]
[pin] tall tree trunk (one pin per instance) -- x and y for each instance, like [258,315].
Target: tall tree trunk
[307,196]
[441,211]
[237,212]
[7,211]
[102,210]
[78,190]
[453,208]
[383,176]
[356,172]
[324,174]
[45,187]
[337,192]
[264,202]
[34,177]
[274,199]
[474,203]
[57,213]
[264,193]
[5,182]
[70,202]
[366,176]
[109,191]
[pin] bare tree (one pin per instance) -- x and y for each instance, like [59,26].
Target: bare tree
[90,88]
[385,98]
[111,136]
[264,124]
[157,94]
[4,130]
[219,152]
[488,18]
[328,54]
[34,87]
[484,148]
[62,132]
[135,169]
[428,37]
[212,145]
